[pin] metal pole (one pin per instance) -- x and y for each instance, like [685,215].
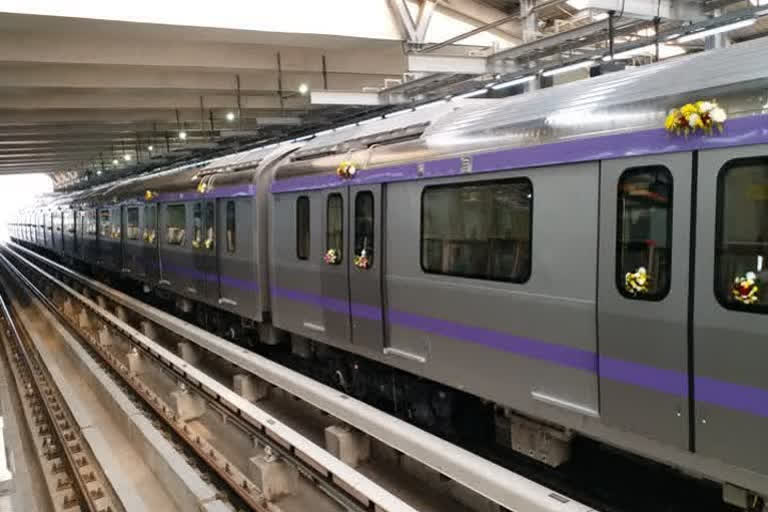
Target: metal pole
[325,74]
[610,32]
[240,102]
[280,81]
[478,30]
[656,24]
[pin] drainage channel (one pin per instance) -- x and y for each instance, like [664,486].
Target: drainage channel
[427,472]
[266,464]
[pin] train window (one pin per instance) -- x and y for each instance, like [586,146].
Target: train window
[334,230]
[197,225]
[105,226]
[302,227]
[150,223]
[480,230]
[117,224]
[91,220]
[741,265]
[364,230]
[231,233]
[132,224]
[210,223]
[644,233]
[176,224]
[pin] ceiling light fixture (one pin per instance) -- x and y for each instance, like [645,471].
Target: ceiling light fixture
[303,89]
[150,148]
[127,157]
[183,135]
[115,161]
[717,30]
[230,116]
[512,83]
[570,67]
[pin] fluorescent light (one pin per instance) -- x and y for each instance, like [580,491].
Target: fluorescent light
[472,94]
[600,17]
[512,83]
[578,4]
[717,30]
[565,69]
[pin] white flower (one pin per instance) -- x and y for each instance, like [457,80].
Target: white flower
[693,120]
[706,106]
[352,170]
[718,115]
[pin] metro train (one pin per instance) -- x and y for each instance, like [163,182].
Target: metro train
[557,254]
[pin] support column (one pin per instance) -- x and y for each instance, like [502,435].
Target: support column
[186,405]
[134,359]
[249,387]
[105,336]
[274,477]
[350,446]
[188,352]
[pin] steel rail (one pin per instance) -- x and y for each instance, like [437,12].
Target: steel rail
[31,372]
[497,484]
[344,484]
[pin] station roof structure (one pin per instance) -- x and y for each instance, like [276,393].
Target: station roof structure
[92,91]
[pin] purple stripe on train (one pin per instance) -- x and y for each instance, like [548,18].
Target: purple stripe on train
[738,132]
[712,391]
[216,192]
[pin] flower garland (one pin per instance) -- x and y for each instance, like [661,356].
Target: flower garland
[346,169]
[149,195]
[637,282]
[331,257]
[692,117]
[745,288]
[362,261]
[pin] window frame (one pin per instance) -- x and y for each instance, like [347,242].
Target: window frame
[341,249]
[309,229]
[230,243]
[719,211]
[371,258]
[168,206]
[619,278]
[128,224]
[517,179]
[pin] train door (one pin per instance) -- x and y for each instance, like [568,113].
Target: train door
[730,319]
[643,284]
[334,275]
[205,247]
[150,239]
[365,267]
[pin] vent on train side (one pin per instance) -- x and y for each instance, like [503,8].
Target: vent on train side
[375,139]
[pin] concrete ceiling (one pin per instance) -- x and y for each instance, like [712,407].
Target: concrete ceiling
[75,91]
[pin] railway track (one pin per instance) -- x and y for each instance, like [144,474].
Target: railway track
[207,410]
[74,477]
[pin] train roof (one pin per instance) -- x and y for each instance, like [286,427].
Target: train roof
[632,100]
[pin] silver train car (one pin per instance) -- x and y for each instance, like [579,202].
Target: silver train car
[558,254]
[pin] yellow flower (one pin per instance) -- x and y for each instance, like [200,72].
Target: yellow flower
[689,109]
